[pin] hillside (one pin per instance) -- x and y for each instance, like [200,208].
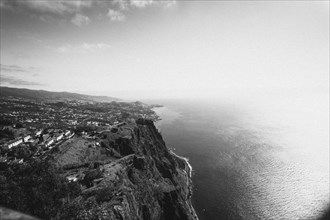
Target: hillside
[126,173]
[52,96]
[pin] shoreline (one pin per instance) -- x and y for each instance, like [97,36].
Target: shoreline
[189,183]
[186,160]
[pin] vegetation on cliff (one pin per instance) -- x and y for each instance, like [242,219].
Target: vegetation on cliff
[130,175]
[35,187]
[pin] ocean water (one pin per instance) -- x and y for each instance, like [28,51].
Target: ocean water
[264,159]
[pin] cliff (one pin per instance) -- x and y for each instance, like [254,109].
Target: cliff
[126,173]
[143,181]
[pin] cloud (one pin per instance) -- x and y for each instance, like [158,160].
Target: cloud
[80,20]
[169,3]
[12,68]
[141,3]
[52,6]
[122,5]
[71,10]
[16,69]
[83,48]
[18,82]
[115,15]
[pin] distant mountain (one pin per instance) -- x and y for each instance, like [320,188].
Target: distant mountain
[43,95]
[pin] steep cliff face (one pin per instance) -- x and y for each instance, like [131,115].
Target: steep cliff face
[126,173]
[146,182]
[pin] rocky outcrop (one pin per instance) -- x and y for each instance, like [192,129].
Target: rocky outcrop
[125,173]
[147,182]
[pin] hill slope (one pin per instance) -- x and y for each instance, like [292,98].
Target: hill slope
[52,96]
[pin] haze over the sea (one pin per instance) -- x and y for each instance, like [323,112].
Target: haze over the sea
[266,160]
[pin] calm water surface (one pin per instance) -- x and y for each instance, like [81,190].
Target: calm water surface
[253,161]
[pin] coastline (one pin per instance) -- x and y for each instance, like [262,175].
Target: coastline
[237,156]
[186,160]
[189,183]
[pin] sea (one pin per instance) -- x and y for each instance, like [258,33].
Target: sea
[253,158]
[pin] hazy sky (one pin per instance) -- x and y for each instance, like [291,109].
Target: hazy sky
[165,49]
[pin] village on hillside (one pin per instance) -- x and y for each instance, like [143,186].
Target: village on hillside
[34,129]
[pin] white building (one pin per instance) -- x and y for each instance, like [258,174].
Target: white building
[14,143]
[38,133]
[26,138]
[72,178]
[59,137]
[50,142]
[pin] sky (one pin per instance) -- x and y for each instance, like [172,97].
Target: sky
[136,49]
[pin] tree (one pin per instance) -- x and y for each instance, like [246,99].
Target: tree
[6,133]
[35,188]
[19,125]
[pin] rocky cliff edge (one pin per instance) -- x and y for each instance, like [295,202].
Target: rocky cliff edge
[146,181]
